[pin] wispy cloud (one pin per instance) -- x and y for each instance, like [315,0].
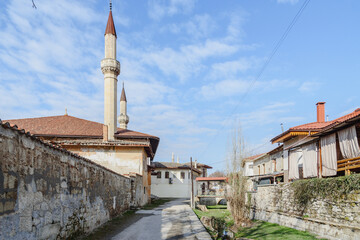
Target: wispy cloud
[288,1]
[309,86]
[159,9]
[232,87]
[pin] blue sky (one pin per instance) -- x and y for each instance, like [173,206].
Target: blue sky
[187,66]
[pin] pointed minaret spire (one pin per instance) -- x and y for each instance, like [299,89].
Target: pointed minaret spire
[123,117]
[110,26]
[111,69]
[123,95]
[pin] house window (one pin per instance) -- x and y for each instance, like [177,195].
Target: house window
[189,176]
[166,174]
[264,167]
[158,174]
[182,176]
[274,165]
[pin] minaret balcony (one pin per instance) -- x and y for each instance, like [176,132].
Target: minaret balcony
[110,65]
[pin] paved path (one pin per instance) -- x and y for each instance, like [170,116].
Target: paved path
[173,220]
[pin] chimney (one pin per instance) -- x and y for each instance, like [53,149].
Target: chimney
[195,163]
[172,157]
[178,159]
[320,111]
[105,133]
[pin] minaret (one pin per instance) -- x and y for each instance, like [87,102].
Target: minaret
[111,69]
[123,117]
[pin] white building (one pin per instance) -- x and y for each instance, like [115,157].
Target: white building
[173,180]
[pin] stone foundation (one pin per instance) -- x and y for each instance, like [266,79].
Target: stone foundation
[326,218]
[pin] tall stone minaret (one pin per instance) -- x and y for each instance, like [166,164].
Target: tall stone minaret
[111,69]
[123,117]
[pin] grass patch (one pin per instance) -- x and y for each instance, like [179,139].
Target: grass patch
[155,203]
[216,213]
[259,230]
[270,231]
[217,207]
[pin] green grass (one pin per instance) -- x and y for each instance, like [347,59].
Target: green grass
[270,231]
[259,230]
[217,213]
[155,203]
[217,207]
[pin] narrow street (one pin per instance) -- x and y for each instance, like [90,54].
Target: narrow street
[173,220]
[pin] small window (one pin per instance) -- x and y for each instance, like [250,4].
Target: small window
[189,176]
[144,190]
[182,176]
[166,174]
[158,174]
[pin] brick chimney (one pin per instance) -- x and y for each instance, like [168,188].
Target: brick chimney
[320,111]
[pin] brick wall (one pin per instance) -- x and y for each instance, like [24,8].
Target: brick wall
[48,193]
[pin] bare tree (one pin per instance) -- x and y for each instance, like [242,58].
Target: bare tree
[236,194]
[218,174]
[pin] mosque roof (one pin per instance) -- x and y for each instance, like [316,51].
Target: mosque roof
[69,126]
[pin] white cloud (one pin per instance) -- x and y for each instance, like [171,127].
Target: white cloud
[232,87]
[187,61]
[288,1]
[200,26]
[159,9]
[309,86]
[272,113]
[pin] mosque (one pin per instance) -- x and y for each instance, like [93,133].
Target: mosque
[119,149]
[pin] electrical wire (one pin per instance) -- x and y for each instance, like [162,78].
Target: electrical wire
[262,69]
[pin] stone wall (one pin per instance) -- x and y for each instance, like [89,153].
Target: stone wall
[326,218]
[48,193]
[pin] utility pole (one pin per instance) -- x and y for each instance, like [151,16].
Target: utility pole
[192,184]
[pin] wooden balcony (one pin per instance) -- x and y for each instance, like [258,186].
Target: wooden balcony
[348,164]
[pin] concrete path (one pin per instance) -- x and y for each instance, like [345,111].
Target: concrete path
[173,220]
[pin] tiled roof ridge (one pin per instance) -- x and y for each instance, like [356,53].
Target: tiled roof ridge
[128,130]
[54,146]
[51,117]
[210,178]
[321,125]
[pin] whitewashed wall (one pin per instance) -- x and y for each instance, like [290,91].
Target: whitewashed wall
[180,188]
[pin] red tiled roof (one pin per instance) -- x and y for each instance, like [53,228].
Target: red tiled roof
[318,126]
[248,159]
[69,126]
[110,27]
[311,126]
[211,178]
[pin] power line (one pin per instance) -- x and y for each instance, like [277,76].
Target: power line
[262,69]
